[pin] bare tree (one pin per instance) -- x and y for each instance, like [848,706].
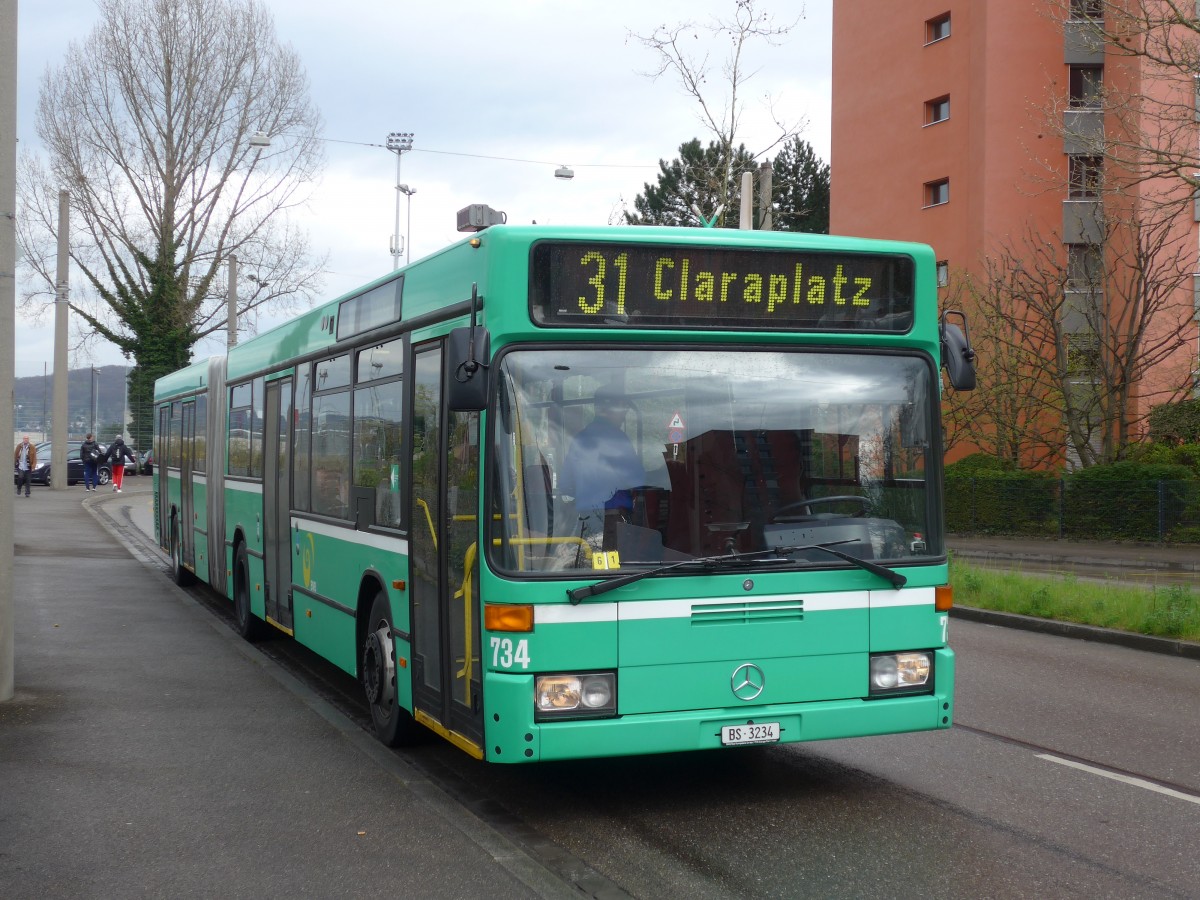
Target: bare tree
[148,124]
[1070,337]
[1148,92]
[685,50]
[1016,393]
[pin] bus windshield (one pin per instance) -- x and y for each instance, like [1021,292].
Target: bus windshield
[617,459]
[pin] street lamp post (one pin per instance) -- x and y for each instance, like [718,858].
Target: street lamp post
[407,192]
[93,410]
[398,142]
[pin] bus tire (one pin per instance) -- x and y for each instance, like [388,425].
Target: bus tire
[244,621]
[394,725]
[179,572]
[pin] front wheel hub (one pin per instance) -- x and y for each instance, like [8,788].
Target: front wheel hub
[378,668]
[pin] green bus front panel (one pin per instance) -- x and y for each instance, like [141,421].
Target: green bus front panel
[675,663]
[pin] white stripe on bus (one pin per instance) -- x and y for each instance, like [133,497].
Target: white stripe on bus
[248,487]
[350,536]
[561,613]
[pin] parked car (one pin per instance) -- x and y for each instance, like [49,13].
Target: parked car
[148,462]
[41,473]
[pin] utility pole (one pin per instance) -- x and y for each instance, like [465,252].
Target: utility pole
[231,313]
[764,195]
[8,297]
[58,433]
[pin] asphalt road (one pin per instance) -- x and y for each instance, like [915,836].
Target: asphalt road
[1073,770]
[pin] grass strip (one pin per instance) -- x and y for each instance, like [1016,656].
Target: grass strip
[1171,611]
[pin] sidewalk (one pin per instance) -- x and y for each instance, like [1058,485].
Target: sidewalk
[150,753]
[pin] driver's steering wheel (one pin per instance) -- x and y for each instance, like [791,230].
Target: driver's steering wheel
[864,505]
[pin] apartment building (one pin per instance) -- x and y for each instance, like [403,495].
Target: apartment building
[987,127]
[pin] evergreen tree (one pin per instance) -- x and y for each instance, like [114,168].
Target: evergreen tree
[702,179]
[699,179]
[800,189]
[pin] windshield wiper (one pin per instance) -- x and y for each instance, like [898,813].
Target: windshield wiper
[896,579]
[705,562]
[712,563]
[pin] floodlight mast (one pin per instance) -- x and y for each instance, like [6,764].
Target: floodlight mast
[399,142]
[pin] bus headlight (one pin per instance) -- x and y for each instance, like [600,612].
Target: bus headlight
[589,696]
[899,673]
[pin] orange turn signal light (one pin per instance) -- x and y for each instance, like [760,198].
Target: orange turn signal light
[507,617]
[943,598]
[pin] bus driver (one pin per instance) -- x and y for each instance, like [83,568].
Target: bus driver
[602,467]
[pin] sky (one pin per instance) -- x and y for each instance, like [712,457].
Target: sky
[497,95]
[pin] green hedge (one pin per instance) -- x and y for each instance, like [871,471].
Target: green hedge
[1132,500]
[1129,500]
[992,496]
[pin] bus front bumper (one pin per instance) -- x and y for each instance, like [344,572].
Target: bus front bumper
[514,738]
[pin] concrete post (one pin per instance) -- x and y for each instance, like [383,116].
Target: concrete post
[746,216]
[59,415]
[8,297]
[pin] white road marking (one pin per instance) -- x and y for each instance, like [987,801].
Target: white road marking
[1136,782]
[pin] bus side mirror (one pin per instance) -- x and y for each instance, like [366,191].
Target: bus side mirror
[467,352]
[958,359]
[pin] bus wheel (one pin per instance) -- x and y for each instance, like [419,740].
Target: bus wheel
[394,725]
[179,572]
[244,622]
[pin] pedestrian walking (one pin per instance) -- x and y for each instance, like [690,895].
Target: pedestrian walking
[116,456]
[91,454]
[24,462]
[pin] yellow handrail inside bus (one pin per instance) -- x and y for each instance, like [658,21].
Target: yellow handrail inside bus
[530,541]
[428,518]
[468,624]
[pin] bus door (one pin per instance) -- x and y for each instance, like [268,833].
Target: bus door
[187,517]
[444,556]
[277,502]
[162,499]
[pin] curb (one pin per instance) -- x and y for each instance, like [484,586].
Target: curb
[1145,642]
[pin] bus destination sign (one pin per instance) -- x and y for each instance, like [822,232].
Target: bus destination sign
[638,286]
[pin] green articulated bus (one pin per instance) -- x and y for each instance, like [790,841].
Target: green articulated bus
[559,492]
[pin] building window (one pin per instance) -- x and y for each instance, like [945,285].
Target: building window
[1083,355]
[1084,10]
[937,192]
[1084,267]
[1083,181]
[937,110]
[1086,85]
[937,28]
[943,273]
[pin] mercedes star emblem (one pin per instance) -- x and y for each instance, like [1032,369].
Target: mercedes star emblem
[748,681]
